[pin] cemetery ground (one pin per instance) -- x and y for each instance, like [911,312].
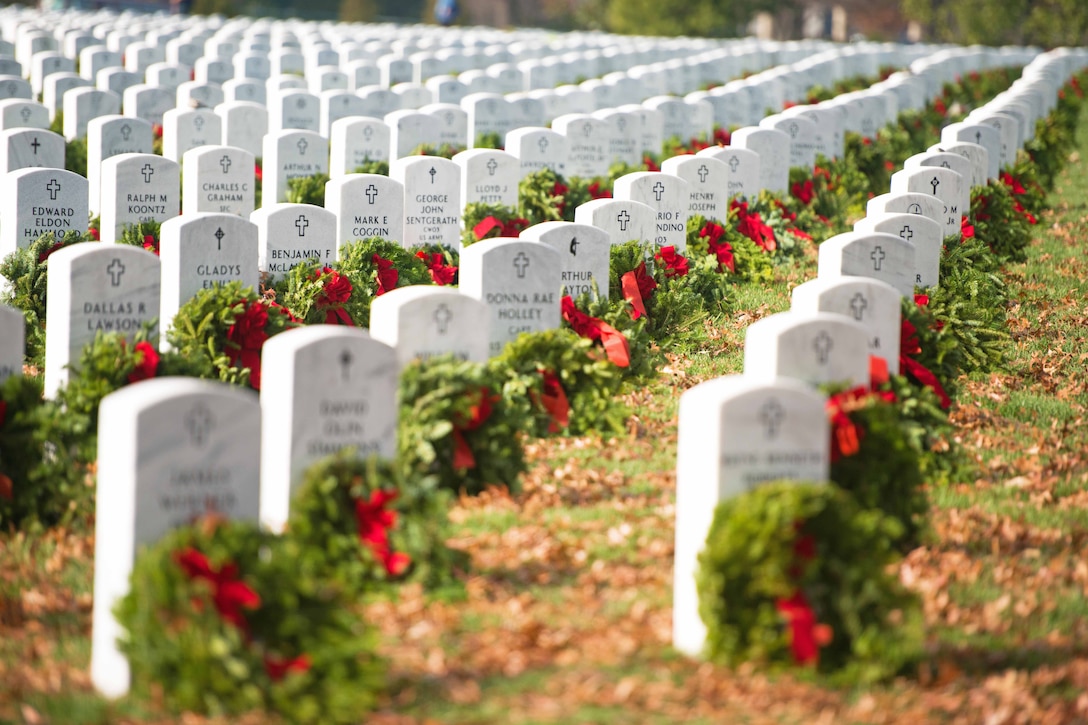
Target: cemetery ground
[565,614]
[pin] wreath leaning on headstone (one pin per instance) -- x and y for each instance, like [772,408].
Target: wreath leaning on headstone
[797,573]
[221,618]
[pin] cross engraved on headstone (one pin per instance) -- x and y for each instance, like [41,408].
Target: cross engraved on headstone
[126,131]
[978,137]
[734,162]
[449,118]
[115,270]
[492,165]
[877,256]
[35,145]
[543,144]
[147,171]
[199,423]
[198,123]
[771,415]
[432,172]
[658,190]
[300,103]
[703,171]
[219,234]
[442,317]
[368,132]
[623,218]
[345,364]
[301,223]
[935,183]
[622,124]
[794,128]
[25,113]
[822,345]
[52,187]
[574,246]
[587,128]
[906,232]
[858,304]
[225,163]
[371,193]
[521,263]
[302,144]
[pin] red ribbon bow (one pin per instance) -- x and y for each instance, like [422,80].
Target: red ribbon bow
[910,346]
[806,635]
[441,273]
[803,191]
[967,230]
[676,265]
[554,400]
[374,521]
[387,275]
[479,412]
[751,225]
[722,251]
[279,667]
[596,191]
[614,341]
[151,244]
[334,293]
[245,338]
[230,595]
[511,228]
[147,362]
[637,286]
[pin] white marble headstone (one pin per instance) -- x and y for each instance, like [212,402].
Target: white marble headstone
[668,196]
[887,257]
[13,342]
[538,148]
[327,387]
[200,251]
[138,188]
[743,168]
[109,136]
[488,176]
[36,201]
[30,148]
[735,433]
[365,206]
[92,288]
[421,321]
[290,234]
[870,302]
[519,281]
[177,448]
[290,154]
[814,347]
[622,220]
[218,179]
[921,231]
[432,200]
[585,252]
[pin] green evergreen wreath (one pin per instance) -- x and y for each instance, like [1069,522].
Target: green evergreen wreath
[222,618]
[456,424]
[798,573]
[363,522]
[27,272]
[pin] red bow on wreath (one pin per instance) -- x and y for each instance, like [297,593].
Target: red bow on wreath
[592,328]
[387,275]
[554,400]
[722,251]
[479,412]
[511,228]
[230,595]
[335,292]
[637,286]
[441,273]
[279,667]
[374,521]
[247,335]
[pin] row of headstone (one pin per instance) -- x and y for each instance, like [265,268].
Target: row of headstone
[770,422]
